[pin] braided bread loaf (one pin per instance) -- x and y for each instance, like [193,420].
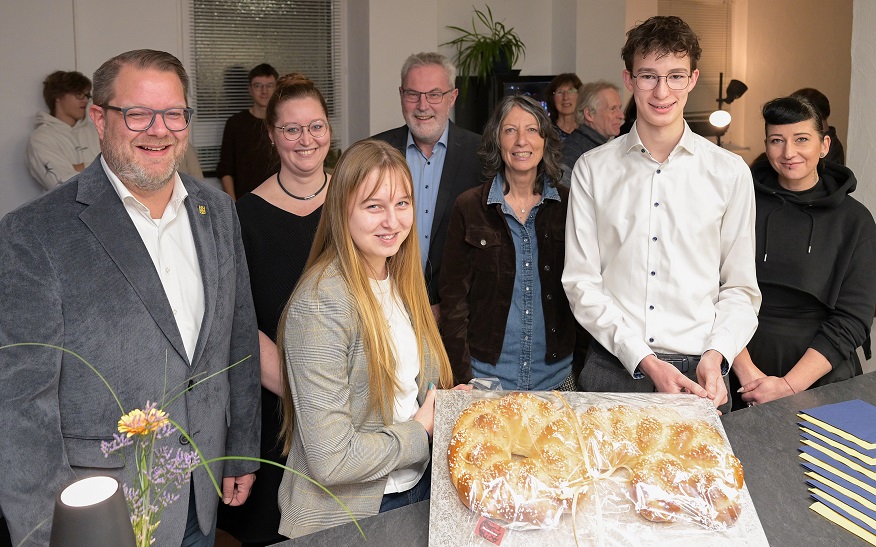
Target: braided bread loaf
[520,459]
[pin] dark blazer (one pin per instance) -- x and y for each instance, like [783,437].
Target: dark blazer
[76,274]
[462,170]
[478,282]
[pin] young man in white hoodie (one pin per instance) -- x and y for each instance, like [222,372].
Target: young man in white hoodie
[65,140]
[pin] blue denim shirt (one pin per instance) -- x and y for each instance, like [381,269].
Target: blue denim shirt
[521,365]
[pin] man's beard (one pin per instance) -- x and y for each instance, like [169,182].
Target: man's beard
[120,159]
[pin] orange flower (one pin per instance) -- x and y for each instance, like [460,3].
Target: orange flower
[138,422]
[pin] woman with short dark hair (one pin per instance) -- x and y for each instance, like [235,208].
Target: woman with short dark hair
[816,250]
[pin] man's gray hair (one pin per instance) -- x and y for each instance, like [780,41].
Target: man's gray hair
[588,97]
[427,58]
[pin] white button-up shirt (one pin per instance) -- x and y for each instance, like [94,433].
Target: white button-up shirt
[171,247]
[660,256]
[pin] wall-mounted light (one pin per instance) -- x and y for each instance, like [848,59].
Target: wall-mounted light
[92,512]
[720,117]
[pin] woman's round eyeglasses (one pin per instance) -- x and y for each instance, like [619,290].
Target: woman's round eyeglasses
[293,131]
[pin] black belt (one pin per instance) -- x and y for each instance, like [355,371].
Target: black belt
[684,363]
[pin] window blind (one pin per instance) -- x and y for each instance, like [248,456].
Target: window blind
[710,20]
[229,37]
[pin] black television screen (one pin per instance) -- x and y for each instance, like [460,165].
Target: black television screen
[533,86]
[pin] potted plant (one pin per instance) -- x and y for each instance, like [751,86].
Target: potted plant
[482,54]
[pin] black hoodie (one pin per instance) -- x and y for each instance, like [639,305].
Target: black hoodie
[821,242]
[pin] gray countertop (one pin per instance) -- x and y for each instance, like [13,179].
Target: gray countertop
[765,438]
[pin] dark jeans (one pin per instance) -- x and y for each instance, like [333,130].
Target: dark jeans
[603,372]
[419,492]
[193,536]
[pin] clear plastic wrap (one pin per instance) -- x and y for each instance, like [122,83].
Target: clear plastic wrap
[551,469]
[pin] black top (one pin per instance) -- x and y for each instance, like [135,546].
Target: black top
[277,244]
[247,154]
[821,243]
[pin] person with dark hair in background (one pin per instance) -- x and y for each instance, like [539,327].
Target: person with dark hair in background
[441,155]
[562,95]
[141,271]
[629,117]
[836,153]
[660,237]
[65,140]
[816,262]
[503,310]
[247,157]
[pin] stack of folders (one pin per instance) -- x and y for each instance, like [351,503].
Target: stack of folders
[839,456]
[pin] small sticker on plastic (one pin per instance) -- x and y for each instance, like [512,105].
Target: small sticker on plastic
[490,530]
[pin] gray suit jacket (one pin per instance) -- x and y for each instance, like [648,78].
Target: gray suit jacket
[337,440]
[76,274]
[462,170]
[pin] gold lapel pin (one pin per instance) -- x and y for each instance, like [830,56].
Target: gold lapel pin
[202,209]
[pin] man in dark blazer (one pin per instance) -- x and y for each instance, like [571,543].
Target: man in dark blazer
[443,157]
[140,271]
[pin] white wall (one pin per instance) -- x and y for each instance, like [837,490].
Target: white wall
[793,44]
[44,30]
[860,154]
[41,36]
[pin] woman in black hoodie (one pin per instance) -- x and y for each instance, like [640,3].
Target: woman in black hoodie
[816,262]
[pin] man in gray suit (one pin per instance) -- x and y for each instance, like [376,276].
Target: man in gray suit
[442,156]
[141,271]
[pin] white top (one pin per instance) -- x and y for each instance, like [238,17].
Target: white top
[55,147]
[171,247]
[404,345]
[660,256]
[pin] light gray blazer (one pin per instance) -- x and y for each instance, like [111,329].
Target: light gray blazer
[337,441]
[75,273]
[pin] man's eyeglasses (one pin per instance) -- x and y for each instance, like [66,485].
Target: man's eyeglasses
[141,118]
[646,81]
[572,91]
[81,96]
[293,131]
[432,97]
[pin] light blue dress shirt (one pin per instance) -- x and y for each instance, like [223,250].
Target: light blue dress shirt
[426,173]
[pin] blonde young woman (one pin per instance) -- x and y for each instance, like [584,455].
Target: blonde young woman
[362,352]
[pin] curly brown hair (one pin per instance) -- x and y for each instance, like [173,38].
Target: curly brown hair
[59,83]
[662,35]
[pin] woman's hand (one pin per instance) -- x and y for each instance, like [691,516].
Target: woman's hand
[426,414]
[745,369]
[766,389]
[462,387]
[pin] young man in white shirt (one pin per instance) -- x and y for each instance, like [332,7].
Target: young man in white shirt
[660,237]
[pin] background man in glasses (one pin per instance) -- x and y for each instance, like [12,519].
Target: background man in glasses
[442,156]
[599,114]
[64,140]
[246,158]
[660,237]
[142,272]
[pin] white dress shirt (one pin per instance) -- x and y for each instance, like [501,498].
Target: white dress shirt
[171,247]
[660,256]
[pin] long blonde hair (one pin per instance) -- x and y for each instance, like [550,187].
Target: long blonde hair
[334,244]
